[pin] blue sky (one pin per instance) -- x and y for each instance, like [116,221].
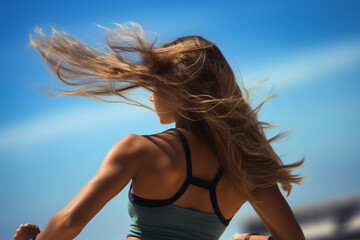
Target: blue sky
[51,147]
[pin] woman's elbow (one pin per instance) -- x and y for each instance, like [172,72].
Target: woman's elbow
[287,233]
[69,224]
[296,234]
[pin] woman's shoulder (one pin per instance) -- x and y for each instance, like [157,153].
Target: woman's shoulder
[136,144]
[133,151]
[157,150]
[146,145]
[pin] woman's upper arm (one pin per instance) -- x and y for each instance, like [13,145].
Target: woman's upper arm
[116,170]
[276,214]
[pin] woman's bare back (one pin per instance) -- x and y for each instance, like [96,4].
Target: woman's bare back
[165,172]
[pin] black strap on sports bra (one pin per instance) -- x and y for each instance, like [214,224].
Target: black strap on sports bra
[210,185]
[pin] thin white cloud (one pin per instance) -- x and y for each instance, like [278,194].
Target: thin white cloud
[296,68]
[306,65]
[62,123]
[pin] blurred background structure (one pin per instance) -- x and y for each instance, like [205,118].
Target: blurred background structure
[308,50]
[328,220]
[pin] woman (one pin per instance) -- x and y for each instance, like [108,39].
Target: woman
[186,182]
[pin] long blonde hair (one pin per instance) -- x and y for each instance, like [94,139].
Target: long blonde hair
[194,74]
